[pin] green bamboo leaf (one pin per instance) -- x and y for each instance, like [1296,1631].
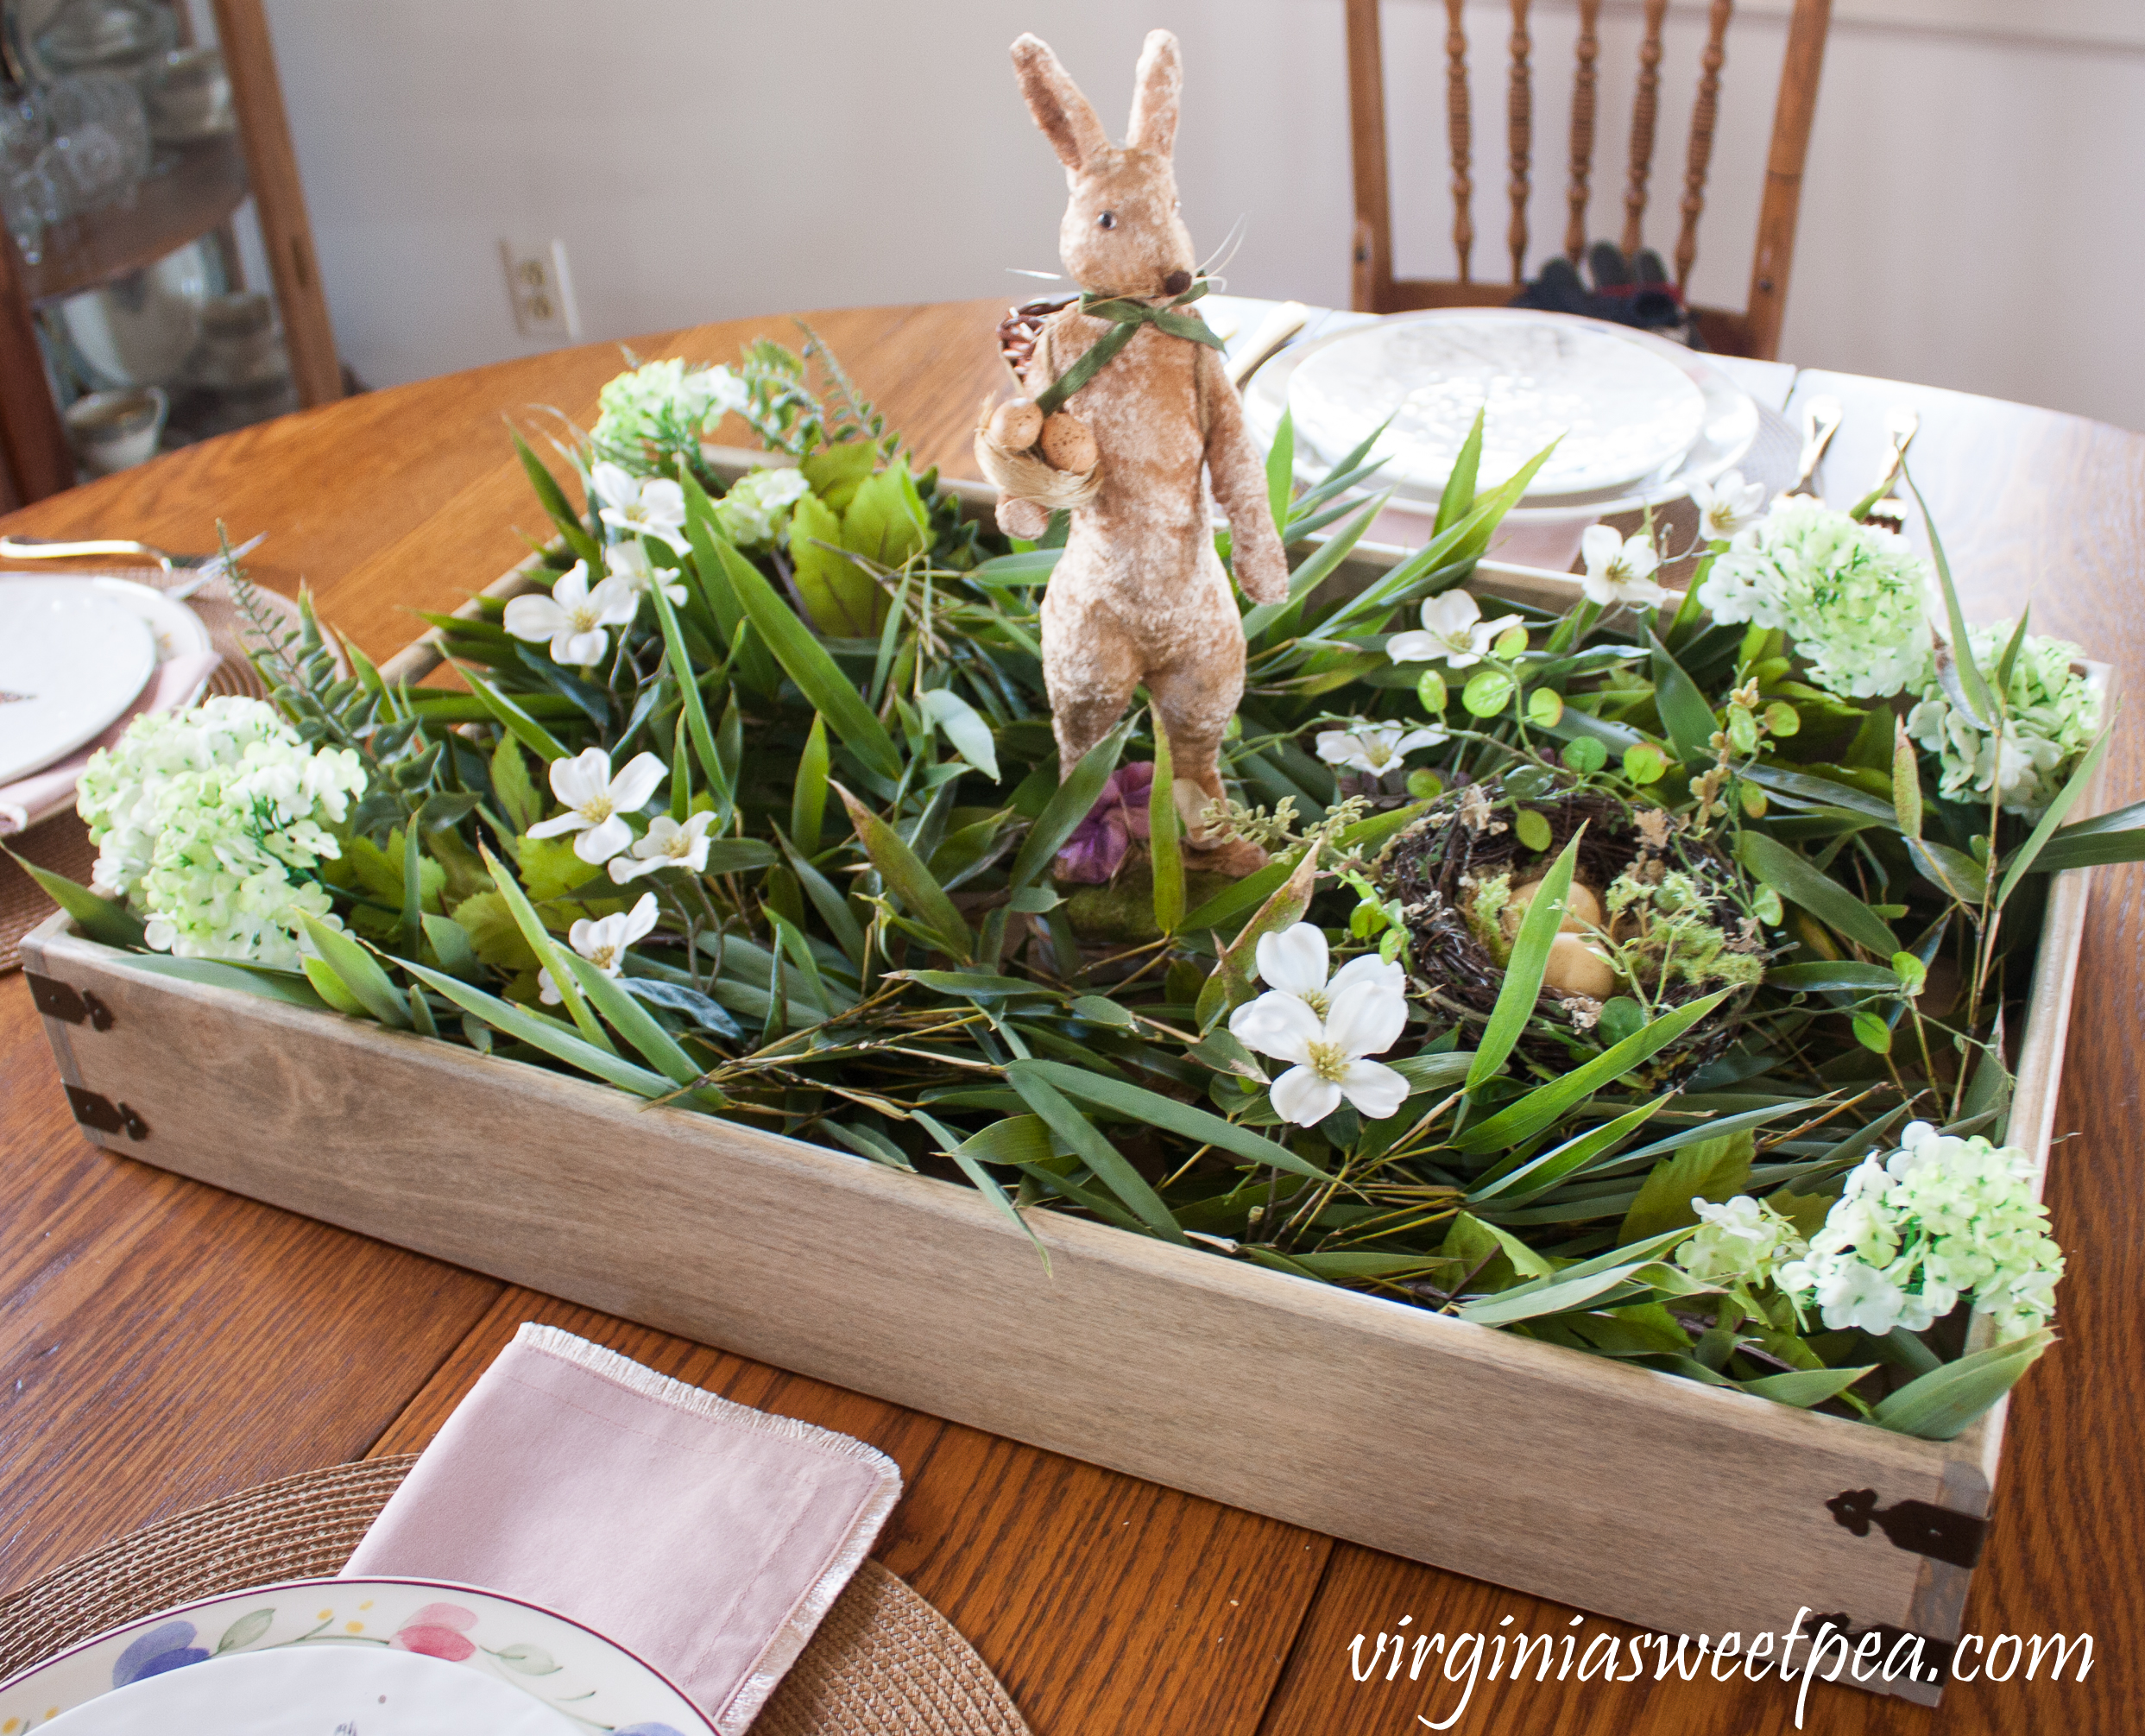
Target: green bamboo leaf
[1458,497]
[964,727]
[1906,780]
[290,988]
[716,775]
[2075,786]
[1825,976]
[1975,690]
[808,796]
[2009,661]
[547,1034]
[1229,985]
[1522,970]
[1561,1297]
[1065,809]
[1151,1109]
[909,880]
[548,952]
[516,721]
[103,921]
[1027,567]
[1803,1387]
[1684,713]
[1798,880]
[556,506]
[1940,1405]
[1281,469]
[633,1021]
[358,972]
[1806,787]
[1109,1165]
[329,987]
[412,888]
[1315,570]
[452,947]
[833,908]
[818,676]
[1238,900]
[1161,841]
[1540,1174]
[1541,1106]
[972,1154]
[1954,873]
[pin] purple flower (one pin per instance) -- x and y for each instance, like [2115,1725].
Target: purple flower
[169,1645]
[1097,847]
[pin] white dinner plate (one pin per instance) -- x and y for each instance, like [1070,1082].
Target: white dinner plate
[560,1670]
[379,1692]
[1616,412]
[1728,426]
[71,659]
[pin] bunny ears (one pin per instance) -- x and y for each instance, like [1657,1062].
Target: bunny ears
[1067,118]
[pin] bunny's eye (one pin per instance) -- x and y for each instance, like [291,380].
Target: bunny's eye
[1107,220]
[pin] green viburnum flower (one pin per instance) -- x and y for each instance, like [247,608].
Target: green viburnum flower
[1743,1242]
[1940,1219]
[2051,716]
[1853,598]
[756,510]
[662,406]
[210,823]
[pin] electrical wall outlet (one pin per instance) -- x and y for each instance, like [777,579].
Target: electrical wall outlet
[541,290]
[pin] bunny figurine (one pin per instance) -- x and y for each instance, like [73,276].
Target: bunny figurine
[1139,594]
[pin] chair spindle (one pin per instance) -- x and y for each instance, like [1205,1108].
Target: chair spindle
[1644,112]
[1460,131]
[1582,188]
[1703,115]
[1519,133]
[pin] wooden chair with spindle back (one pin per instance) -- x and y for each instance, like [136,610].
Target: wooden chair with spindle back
[1755,331]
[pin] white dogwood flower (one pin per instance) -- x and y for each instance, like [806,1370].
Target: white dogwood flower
[1619,570]
[1726,504]
[1454,633]
[602,941]
[653,508]
[1325,1029]
[573,616]
[596,803]
[667,845]
[1374,748]
[629,561]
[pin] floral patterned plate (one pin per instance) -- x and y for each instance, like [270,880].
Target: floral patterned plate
[595,1684]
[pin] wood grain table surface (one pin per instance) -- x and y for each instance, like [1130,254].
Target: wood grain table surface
[163,1343]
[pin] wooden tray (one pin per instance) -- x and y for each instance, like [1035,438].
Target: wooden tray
[1633,1493]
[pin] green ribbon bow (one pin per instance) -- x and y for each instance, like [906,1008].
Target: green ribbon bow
[1130,316]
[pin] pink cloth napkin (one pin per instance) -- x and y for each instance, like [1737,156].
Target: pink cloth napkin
[705,1537]
[169,686]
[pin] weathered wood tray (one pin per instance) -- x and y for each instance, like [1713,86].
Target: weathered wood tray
[1631,1494]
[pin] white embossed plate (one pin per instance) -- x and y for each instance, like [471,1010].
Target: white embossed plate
[71,659]
[551,1661]
[1622,413]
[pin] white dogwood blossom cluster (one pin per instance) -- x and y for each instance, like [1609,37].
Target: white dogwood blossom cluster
[209,823]
[1941,1219]
[1853,597]
[2051,715]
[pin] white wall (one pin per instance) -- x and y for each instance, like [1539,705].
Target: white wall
[1970,217]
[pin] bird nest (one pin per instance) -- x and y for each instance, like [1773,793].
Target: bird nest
[1670,919]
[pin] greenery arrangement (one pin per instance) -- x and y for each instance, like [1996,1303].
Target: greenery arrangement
[1683,936]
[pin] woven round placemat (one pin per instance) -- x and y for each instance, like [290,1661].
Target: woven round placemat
[62,842]
[883,1663]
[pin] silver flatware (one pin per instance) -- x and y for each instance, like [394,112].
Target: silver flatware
[202,568]
[1821,418]
[1883,506]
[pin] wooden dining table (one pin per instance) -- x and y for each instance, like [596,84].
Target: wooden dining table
[163,1343]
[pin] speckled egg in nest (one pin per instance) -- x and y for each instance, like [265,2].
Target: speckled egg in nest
[1657,916]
